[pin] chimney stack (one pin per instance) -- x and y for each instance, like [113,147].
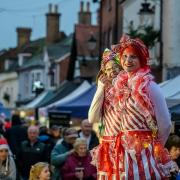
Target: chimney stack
[23,36]
[52,25]
[84,16]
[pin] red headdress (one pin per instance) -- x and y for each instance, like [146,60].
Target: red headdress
[137,44]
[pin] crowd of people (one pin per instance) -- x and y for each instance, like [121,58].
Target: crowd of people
[33,152]
[135,140]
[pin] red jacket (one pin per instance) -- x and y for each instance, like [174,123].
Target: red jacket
[72,162]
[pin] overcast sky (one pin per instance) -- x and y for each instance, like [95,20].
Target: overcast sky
[31,13]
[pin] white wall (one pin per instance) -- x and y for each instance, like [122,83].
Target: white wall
[171,37]
[9,84]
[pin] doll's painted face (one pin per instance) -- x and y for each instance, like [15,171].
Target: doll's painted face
[45,173]
[111,69]
[3,154]
[130,61]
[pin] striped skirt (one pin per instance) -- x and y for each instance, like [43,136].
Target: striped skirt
[136,158]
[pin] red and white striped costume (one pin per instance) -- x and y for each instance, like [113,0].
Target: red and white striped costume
[135,101]
[139,153]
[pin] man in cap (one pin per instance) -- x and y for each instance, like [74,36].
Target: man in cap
[62,150]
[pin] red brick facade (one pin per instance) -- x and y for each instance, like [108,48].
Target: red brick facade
[111,22]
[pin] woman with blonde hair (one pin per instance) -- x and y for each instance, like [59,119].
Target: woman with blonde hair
[40,171]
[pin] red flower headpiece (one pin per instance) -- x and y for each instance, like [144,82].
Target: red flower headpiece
[107,56]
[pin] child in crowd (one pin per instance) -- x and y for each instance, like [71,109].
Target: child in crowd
[40,171]
[173,146]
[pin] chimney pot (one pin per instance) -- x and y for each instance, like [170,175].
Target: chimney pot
[56,8]
[82,6]
[88,7]
[50,8]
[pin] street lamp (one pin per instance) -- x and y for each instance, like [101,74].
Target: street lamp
[146,14]
[92,42]
[91,45]
[38,87]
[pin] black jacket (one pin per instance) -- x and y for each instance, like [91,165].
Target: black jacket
[29,155]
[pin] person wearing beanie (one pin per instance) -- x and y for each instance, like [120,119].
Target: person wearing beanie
[40,171]
[7,164]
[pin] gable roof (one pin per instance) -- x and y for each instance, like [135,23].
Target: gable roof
[55,51]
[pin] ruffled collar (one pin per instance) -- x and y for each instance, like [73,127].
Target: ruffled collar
[135,86]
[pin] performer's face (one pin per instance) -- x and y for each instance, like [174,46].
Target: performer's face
[112,69]
[130,61]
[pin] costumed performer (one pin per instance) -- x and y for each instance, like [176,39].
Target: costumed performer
[145,120]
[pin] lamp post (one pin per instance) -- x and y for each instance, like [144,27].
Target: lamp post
[146,14]
[146,17]
[38,87]
[92,43]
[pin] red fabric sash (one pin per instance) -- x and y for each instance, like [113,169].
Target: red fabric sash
[105,163]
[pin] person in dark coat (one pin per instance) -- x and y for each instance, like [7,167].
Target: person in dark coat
[88,133]
[78,164]
[31,152]
[16,134]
